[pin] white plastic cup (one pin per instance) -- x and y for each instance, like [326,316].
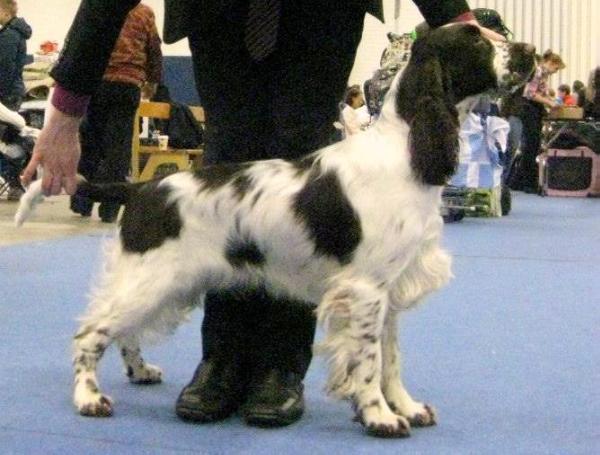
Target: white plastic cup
[163,142]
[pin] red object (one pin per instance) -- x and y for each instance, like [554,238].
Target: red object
[569,100]
[49,47]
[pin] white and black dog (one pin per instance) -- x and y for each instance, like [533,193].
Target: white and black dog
[354,228]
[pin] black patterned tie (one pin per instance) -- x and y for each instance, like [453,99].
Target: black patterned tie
[261,28]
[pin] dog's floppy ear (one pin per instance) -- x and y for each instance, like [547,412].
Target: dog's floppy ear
[424,101]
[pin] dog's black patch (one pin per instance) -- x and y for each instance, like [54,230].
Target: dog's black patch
[242,184]
[91,386]
[370,338]
[374,402]
[305,163]
[149,219]
[219,175]
[243,252]
[328,215]
[352,366]
[256,197]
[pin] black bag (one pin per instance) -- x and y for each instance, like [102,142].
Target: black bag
[183,129]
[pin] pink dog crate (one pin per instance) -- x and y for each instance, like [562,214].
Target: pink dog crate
[572,173]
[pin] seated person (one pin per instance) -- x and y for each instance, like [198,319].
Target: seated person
[16,145]
[592,96]
[354,116]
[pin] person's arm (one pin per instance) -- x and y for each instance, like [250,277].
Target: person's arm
[89,43]
[153,51]
[531,91]
[442,12]
[78,73]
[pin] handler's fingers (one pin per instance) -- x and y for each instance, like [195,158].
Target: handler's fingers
[30,170]
[56,186]
[70,185]
[47,183]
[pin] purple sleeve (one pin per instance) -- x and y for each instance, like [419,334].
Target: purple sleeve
[68,102]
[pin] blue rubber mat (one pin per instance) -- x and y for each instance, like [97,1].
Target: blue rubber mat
[508,353]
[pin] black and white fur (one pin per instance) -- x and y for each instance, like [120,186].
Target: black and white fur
[354,227]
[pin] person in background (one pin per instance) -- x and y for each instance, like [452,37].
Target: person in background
[106,131]
[14,33]
[267,93]
[579,93]
[564,97]
[592,95]
[354,115]
[532,110]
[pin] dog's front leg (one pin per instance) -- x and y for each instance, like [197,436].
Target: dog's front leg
[138,371]
[399,400]
[353,314]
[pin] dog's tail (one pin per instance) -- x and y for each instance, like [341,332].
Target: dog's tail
[32,197]
[98,192]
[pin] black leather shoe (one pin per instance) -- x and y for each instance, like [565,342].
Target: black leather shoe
[275,399]
[108,212]
[81,205]
[215,392]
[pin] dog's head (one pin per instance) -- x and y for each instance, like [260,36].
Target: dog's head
[448,65]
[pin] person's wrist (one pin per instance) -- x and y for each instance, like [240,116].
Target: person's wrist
[69,103]
[69,124]
[467,16]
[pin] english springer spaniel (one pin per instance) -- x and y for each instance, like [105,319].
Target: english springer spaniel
[354,228]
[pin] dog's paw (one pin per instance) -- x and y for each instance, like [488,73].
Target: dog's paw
[148,374]
[96,405]
[398,427]
[427,418]
[418,414]
[383,424]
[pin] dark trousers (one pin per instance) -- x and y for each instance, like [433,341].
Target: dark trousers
[531,116]
[281,107]
[106,133]
[12,102]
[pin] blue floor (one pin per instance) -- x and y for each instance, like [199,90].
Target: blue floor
[509,353]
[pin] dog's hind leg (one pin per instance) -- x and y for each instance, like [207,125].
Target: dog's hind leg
[113,315]
[353,314]
[399,400]
[132,298]
[89,344]
[138,371]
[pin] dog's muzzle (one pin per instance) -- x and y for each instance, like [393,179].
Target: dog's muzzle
[515,65]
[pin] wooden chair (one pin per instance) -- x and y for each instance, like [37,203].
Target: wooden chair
[181,158]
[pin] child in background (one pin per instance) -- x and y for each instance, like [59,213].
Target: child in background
[564,97]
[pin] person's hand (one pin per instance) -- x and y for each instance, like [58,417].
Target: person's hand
[552,104]
[488,33]
[57,150]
